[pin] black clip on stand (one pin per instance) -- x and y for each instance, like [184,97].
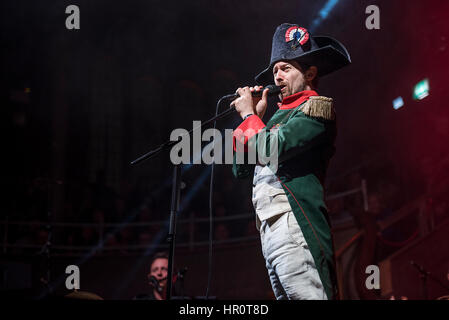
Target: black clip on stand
[176,188]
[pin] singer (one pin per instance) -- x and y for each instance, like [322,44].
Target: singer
[157,278]
[291,214]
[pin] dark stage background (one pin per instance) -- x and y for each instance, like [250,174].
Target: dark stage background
[78,105]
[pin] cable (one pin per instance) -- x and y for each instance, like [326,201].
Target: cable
[211,193]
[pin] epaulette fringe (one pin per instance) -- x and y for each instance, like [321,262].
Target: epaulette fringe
[319,107]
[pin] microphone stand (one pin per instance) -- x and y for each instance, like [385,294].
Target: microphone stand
[176,190]
[423,274]
[180,278]
[168,144]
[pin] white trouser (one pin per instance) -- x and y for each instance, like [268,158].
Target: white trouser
[291,268]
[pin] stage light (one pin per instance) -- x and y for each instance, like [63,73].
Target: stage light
[397,103]
[421,90]
[323,13]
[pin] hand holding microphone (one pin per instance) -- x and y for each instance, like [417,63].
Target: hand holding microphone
[252,100]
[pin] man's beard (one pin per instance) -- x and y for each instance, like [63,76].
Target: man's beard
[301,88]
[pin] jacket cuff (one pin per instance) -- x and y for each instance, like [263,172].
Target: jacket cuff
[247,129]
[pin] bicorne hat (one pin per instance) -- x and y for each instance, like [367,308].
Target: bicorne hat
[291,42]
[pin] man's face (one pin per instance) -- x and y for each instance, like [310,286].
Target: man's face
[288,75]
[159,270]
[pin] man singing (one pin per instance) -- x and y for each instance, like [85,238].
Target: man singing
[291,214]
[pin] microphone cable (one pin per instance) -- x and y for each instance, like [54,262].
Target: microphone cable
[211,193]
[272,90]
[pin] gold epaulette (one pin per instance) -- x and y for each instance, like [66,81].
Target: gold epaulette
[319,107]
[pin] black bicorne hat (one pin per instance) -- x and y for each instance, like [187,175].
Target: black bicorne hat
[291,42]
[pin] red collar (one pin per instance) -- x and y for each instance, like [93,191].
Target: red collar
[296,99]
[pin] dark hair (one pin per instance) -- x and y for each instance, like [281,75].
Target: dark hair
[158,255]
[304,67]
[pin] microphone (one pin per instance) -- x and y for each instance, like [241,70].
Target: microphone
[272,90]
[155,283]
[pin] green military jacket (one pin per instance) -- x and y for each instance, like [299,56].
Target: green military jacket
[305,129]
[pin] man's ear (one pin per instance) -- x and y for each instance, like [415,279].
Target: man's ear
[311,73]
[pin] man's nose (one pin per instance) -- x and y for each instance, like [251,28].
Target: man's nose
[278,77]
